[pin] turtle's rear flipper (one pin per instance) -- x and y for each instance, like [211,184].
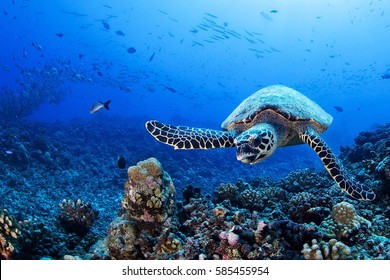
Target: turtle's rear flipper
[347,183]
[185,138]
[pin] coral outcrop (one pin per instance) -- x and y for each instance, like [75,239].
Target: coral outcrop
[10,231]
[77,216]
[331,250]
[146,226]
[343,222]
[149,193]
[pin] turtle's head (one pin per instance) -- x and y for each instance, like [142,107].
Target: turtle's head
[256,143]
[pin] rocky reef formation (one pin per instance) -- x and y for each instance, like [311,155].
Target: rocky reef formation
[370,157]
[145,228]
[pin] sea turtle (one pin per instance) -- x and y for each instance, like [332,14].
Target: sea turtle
[272,117]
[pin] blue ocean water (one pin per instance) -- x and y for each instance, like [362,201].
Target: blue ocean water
[180,62]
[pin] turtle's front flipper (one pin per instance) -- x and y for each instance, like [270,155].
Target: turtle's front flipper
[347,183]
[185,138]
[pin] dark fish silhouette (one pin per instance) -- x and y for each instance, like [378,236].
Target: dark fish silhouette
[273,11]
[131,50]
[338,108]
[210,15]
[99,105]
[121,162]
[81,55]
[106,25]
[60,35]
[119,33]
[386,76]
[171,89]
[151,57]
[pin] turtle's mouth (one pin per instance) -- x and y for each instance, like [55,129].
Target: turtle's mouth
[247,154]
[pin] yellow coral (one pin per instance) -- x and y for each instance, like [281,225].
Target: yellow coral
[172,245]
[331,250]
[137,173]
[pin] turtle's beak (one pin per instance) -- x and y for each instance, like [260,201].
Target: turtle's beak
[247,154]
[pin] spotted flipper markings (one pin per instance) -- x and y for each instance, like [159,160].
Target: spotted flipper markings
[347,183]
[187,138]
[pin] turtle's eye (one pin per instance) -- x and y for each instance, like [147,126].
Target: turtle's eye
[256,141]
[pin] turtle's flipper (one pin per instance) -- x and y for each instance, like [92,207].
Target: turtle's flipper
[186,138]
[347,183]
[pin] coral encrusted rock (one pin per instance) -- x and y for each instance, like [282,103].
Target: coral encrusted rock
[149,193]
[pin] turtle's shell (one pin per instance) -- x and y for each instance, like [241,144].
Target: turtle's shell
[282,106]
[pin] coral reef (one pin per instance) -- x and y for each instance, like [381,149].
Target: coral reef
[77,216]
[149,193]
[370,156]
[331,250]
[9,234]
[343,222]
[196,213]
[145,228]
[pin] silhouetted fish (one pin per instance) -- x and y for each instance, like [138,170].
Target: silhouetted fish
[60,35]
[151,57]
[106,25]
[210,15]
[386,76]
[121,162]
[81,55]
[119,33]
[99,105]
[338,108]
[170,89]
[99,73]
[273,11]
[131,50]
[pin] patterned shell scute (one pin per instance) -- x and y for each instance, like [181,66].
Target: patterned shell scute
[289,103]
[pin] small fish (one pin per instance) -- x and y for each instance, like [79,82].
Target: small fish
[171,89]
[125,88]
[131,50]
[151,57]
[99,73]
[119,33]
[81,55]
[106,25]
[273,11]
[8,152]
[60,35]
[338,108]
[37,46]
[121,162]
[99,105]
[385,76]
[210,15]
[163,12]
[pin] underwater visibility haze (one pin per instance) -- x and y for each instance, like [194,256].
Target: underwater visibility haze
[299,170]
